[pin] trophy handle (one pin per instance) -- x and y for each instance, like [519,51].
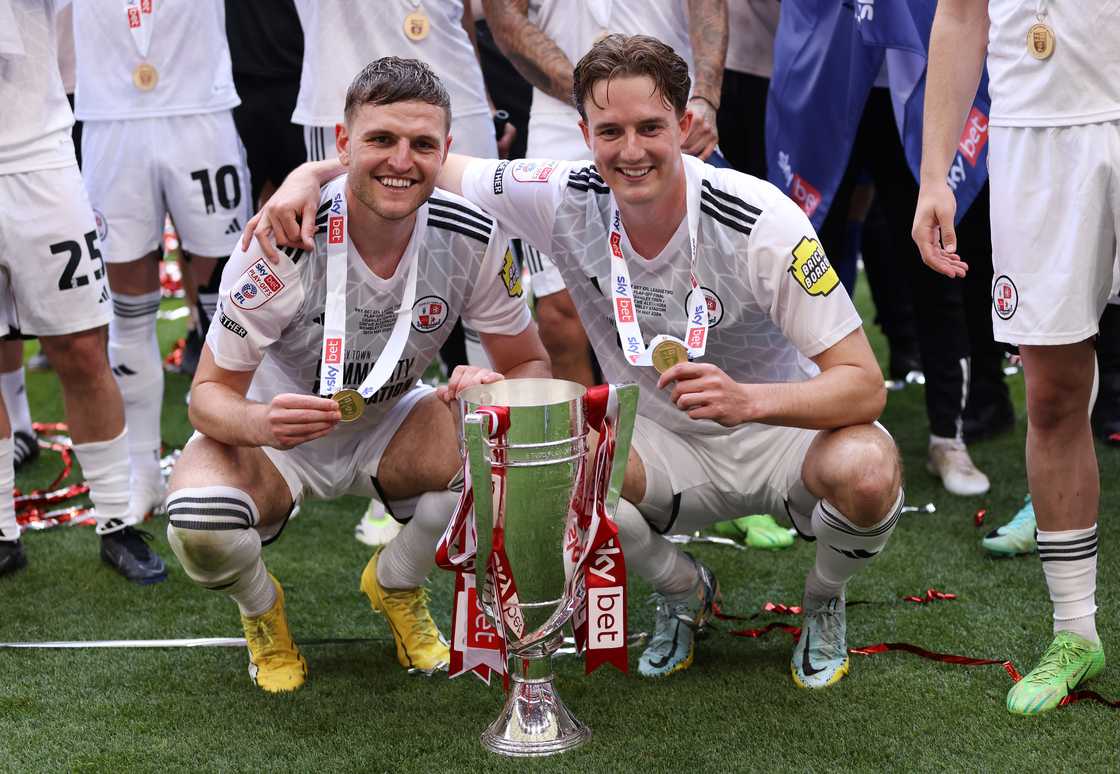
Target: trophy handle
[476,428]
[627,396]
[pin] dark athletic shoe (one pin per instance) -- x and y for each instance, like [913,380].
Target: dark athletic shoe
[127,551]
[12,557]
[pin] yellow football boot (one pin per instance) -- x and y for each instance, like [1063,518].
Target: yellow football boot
[420,646]
[275,663]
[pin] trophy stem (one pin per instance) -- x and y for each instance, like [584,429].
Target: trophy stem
[534,721]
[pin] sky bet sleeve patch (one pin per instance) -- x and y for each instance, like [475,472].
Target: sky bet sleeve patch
[811,268]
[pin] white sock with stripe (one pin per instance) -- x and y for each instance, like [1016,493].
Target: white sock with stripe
[843,548]
[105,466]
[1069,562]
[14,389]
[210,529]
[137,365]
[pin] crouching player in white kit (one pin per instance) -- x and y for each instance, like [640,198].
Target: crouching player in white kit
[777,411]
[358,317]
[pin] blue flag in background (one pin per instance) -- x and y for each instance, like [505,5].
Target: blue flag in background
[827,56]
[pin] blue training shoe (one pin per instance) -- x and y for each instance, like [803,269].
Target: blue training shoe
[1016,536]
[672,647]
[820,658]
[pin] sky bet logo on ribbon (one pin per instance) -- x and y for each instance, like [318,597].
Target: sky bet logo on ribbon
[811,268]
[334,230]
[333,350]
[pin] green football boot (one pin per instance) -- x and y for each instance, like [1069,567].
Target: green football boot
[1069,661]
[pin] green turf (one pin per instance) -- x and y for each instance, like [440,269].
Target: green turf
[735,709]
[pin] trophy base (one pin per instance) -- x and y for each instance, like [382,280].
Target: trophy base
[534,722]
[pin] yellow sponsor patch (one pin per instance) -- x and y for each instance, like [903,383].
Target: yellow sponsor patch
[811,268]
[511,275]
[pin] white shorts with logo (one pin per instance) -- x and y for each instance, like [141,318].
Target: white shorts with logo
[52,276]
[1055,221]
[139,170]
[694,481]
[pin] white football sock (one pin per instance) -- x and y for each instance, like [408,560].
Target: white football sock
[135,358]
[9,529]
[14,390]
[105,466]
[210,529]
[407,560]
[1069,562]
[653,558]
[843,548]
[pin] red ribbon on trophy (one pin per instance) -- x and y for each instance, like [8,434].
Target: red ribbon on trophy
[476,646]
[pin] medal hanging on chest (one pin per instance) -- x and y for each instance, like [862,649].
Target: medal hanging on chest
[1040,37]
[416,24]
[140,17]
[352,402]
[664,351]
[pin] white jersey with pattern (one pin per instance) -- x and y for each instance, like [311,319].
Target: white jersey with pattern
[773,299]
[270,316]
[188,50]
[341,37]
[574,26]
[35,127]
[1078,84]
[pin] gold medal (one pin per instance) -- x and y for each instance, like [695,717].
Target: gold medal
[145,77]
[416,25]
[667,354]
[350,403]
[1040,41]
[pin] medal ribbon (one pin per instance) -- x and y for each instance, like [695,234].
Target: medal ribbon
[140,16]
[334,314]
[622,290]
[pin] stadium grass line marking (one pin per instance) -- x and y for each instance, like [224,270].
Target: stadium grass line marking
[187,642]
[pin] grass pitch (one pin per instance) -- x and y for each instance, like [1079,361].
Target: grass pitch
[736,709]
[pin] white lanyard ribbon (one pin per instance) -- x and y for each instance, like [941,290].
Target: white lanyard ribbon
[140,15]
[334,316]
[622,290]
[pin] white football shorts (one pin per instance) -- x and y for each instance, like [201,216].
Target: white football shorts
[694,481]
[1055,222]
[193,167]
[52,272]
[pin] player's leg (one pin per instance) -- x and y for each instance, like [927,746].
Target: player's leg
[222,500]
[12,557]
[59,293]
[13,389]
[414,474]
[855,476]
[119,176]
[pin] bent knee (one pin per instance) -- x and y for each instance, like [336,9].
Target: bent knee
[858,471]
[211,531]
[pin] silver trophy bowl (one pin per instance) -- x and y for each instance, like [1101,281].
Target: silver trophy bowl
[537,468]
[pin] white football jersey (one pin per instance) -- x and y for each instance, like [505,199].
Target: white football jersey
[341,37]
[574,26]
[181,44]
[35,128]
[271,316]
[1079,83]
[773,299]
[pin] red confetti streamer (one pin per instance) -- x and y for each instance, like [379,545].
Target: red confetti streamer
[175,356]
[978,519]
[931,595]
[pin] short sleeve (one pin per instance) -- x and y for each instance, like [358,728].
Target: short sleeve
[497,301]
[256,302]
[790,275]
[523,194]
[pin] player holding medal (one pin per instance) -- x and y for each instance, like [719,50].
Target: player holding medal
[308,385]
[776,411]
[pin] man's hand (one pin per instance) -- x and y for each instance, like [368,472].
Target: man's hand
[933,229]
[465,376]
[288,218]
[704,391]
[703,136]
[291,419]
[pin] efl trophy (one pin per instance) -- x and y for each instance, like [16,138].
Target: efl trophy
[546,541]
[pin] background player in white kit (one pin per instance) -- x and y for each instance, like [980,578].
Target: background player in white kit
[155,90]
[340,38]
[52,285]
[543,39]
[419,258]
[777,411]
[1055,147]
